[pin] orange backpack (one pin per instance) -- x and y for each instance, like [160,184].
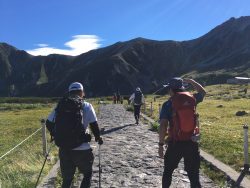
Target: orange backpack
[183,120]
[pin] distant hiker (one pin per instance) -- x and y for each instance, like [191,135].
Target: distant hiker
[67,124]
[137,99]
[118,97]
[114,98]
[178,119]
[121,99]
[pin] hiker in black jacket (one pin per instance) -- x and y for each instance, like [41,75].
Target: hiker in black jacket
[137,99]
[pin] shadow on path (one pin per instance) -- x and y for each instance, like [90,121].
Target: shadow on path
[103,132]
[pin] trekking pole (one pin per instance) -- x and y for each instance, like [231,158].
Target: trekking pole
[158,90]
[46,157]
[100,167]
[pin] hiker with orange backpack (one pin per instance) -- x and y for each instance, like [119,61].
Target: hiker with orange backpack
[178,121]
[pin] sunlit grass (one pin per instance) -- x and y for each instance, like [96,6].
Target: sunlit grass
[21,167]
[222,132]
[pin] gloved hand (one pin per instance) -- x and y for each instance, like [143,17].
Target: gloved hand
[99,140]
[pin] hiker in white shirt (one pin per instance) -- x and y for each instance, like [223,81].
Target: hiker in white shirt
[80,154]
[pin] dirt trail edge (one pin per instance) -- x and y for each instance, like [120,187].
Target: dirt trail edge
[129,154]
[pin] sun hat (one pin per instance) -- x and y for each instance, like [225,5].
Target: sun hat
[138,89]
[175,83]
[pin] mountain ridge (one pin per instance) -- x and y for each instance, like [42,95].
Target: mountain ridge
[212,58]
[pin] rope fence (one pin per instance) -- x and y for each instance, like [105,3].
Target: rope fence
[8,152]
[44,150]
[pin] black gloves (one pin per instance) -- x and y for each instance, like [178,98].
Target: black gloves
[99,140]
[95,130]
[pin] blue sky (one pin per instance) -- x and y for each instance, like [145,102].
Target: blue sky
[72,27]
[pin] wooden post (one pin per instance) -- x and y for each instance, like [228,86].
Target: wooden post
[245,127]
[151,109]
[246,167]
[45,150]
[159,108]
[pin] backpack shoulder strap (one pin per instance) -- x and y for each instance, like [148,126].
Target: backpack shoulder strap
[180,98]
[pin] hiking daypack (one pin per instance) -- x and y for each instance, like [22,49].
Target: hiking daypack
[183,120]
[69,130]
[138,97]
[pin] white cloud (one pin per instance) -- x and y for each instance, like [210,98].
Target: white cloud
[78,45]
[42,45]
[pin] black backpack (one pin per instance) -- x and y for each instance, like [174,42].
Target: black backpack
[69,131]
[138,97]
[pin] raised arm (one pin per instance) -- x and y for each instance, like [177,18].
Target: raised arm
[198,87]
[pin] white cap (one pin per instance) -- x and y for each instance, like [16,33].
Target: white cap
[75,86]
[138,89]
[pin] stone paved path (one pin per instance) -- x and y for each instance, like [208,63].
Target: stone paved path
[129,154]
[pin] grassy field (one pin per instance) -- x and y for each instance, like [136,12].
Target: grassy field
[21,167]
[221,129]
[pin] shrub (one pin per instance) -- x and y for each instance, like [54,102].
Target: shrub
[155,126]
[130,108]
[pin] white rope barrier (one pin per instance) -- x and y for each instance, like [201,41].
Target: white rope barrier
[20,143]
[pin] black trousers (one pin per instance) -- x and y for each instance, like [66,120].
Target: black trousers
[72,159]
[189,150]
[137,109]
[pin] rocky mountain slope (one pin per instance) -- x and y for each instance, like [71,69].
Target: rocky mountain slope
[220,54]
